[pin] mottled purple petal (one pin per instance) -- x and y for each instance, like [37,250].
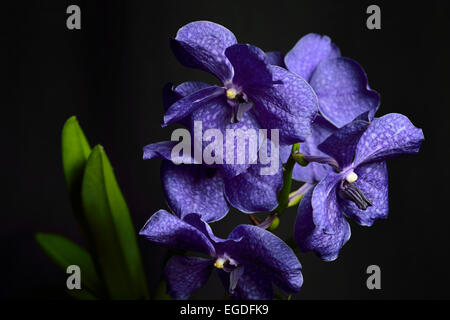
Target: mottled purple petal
[235,276]
[343,91]
[285,152]
[327,213]
[314,172]
[218,116]
[202,45]
[275,58]
[252,285]
[342,143]
[388,137]
[163,150]
[184,275]
[312,238]
[169,96]
[196,220]
[373,183]
[308,53]
[169,230]
[261,191]
[172,94]
[290,106]
[250,66]
[194,189]
[185,106]
[264,251]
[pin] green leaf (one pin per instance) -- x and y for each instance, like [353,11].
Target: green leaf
[64,253]
[75,152]
[115,237]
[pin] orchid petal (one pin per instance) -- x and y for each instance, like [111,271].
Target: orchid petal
[169,230]
[373,183]
[267,253]
[185,106]
[312,238]
[343,91]
[289,106]
[202,45]
[184,275]
[194,189]
[308,53]
[388,137]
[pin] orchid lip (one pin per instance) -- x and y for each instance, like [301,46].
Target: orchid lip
[226,263]
[349,191]
[238,102]
[232,267]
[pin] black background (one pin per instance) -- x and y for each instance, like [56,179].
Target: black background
[110,75]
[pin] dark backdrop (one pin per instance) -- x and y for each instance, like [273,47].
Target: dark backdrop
[110,75]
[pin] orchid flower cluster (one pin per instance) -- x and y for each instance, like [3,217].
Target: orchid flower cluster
[320,112]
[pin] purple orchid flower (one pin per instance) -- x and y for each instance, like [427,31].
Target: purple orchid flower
[357,187]
[211,189]
[248,261]
[253,94]
[340,83]
[343,91]
[198,188]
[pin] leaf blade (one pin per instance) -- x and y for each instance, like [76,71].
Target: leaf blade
[64,253]
[114,238]
[75,152]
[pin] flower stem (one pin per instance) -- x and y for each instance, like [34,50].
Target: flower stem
[283,198]
[296,196]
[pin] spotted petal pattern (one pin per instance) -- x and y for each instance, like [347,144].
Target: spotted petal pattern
[261,191]
[308,53]
[343,91]
[268,254]
[309,237]
[314,172]
[168,230]
[194,189]
[185,106]
[342,143]
[373,182]
[280,107]
[202,45]
[172,94]
[250,66]
[324,202]
[388,137]
[252,285]
[237,154]
[184,275]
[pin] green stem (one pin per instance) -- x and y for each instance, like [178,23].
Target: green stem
[296,196]
[283,198]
